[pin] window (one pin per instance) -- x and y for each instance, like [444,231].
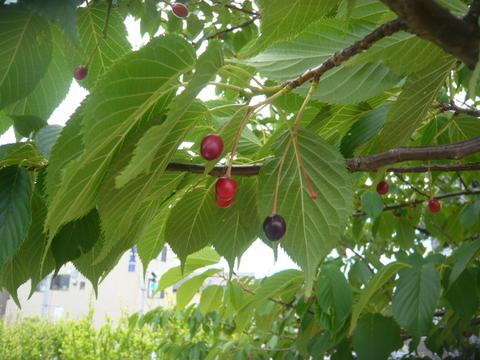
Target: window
[163,256]
[82,285]
[60,282]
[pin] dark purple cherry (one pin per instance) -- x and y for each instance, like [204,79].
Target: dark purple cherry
[80,72]
[211,147]
[274,227]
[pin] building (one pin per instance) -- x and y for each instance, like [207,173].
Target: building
[124,290]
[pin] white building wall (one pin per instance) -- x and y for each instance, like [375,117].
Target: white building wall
[120,292]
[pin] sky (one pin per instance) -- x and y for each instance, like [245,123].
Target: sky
[259,258]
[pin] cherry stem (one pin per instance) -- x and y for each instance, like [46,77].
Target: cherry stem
[107,18]
[251,110]
[296,126]
[236,139]
[293,140]
[279,173]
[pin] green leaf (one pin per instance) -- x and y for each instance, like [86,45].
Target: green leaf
[189,288]
[313,226]
[26,52]
[46,138]
[404,53]
[152,240]
[415,298]
[413,103]
[27,260]
[463,304]
[68,147]
[191,226]
[373,286]
[134,85]
[280,283]
[202,258]
[376,337]
[15,210]
[353,84]
[126,212]
[364,130]
[238,226]
[164,139]
[52,87]
[465,253]
[59,11]
[5,122]
[94,269]
[333,122]
[100,52]
[372,204]
[25,125]
[334,296]
[211,299]
[76,238]
[283,19]
[22,154]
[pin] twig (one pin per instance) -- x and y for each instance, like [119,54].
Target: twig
[230,29]
[437,167]
[419,201]
[411,185]
[340,57]
[107,18]
[465,186]
[458,110]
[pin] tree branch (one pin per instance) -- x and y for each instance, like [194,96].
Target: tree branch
[458,110]
[473,13]
[433,22]
[436,167]
[455,151]
[419,201]
[340,57]
[230,29]
[441,152]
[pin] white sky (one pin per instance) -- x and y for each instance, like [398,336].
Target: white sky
[259,258]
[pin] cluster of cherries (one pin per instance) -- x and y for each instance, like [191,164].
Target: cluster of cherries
[433,203]
[211,148]
[179,10]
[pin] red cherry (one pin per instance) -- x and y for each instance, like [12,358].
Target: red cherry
[225,188]
[382,188]
[274,227]
[434,205]
[211,147]
[222,203]
[80,72]
[180,10]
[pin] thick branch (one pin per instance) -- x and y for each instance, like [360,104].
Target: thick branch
[442,152]
[431,21]
[373,162]
[340,57]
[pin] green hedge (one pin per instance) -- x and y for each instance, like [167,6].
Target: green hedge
[33,338]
